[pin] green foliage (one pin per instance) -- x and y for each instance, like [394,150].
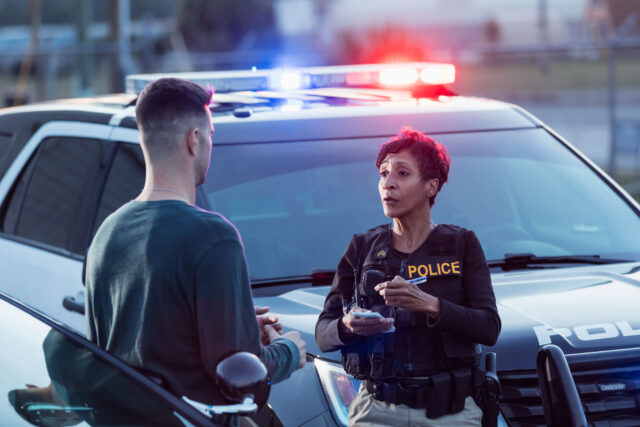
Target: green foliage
[214,25]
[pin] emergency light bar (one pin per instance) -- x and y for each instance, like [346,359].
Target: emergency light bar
[395,76]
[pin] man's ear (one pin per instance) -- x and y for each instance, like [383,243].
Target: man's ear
[192,140]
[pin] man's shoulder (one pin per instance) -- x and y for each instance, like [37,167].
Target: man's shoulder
[177,220]
[114,219]
[201,220]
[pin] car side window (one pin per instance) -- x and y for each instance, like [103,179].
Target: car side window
[124,183]
[54,192]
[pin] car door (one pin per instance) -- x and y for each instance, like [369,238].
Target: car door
[52,376]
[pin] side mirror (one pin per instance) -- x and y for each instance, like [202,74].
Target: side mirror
[243,375]
[560,399]
[243,380]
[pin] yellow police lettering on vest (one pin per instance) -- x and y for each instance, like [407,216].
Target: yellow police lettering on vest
[435,269]
[412,270]
[431,273]
[455,267]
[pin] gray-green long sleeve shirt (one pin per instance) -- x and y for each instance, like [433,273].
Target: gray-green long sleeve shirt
[168,292]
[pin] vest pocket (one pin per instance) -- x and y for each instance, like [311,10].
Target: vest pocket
[439,395]
[355,359]
[460,389]
[456,346]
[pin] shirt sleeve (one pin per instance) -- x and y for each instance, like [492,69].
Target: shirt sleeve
[478,319]
[330,334]
[281,358]
[225,314]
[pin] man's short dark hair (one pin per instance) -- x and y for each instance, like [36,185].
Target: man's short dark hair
[432,156]
[166,102]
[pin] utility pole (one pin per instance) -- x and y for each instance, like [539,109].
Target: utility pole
[120,20]
[613,84]
[543,32]
[83,21]
[543,22]
[614,34]
[124,41]
[31,55]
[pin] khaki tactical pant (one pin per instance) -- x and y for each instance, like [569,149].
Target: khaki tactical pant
[367,411]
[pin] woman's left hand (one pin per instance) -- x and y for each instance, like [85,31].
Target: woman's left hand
[402,294]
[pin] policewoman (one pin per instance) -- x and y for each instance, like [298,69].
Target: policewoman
[431,286]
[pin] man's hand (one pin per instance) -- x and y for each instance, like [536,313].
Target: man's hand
[365,326]
[293,336]
[264,321]
[402,294]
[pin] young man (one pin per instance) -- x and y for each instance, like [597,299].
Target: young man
[167,283]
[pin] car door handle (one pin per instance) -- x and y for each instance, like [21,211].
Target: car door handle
[72,304]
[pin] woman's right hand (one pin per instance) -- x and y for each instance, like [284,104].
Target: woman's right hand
[365,325]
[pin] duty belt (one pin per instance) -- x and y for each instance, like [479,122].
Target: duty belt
[442,393]
[412,395]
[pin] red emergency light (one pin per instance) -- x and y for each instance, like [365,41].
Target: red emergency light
[399,77]
[405,76]
[438,75]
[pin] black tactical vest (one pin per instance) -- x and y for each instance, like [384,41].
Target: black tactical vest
[414,349]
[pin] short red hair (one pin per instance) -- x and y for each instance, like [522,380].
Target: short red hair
[432,156]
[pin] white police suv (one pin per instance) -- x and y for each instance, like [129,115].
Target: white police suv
[293,169]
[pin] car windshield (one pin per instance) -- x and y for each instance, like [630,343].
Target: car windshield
[297,204]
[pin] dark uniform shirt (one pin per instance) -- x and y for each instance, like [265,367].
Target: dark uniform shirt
[452,259]
[168,291]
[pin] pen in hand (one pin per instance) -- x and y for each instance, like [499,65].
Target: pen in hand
[418,280]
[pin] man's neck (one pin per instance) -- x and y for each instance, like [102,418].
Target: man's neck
[167,189]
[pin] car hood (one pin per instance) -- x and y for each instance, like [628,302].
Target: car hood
[580,309]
